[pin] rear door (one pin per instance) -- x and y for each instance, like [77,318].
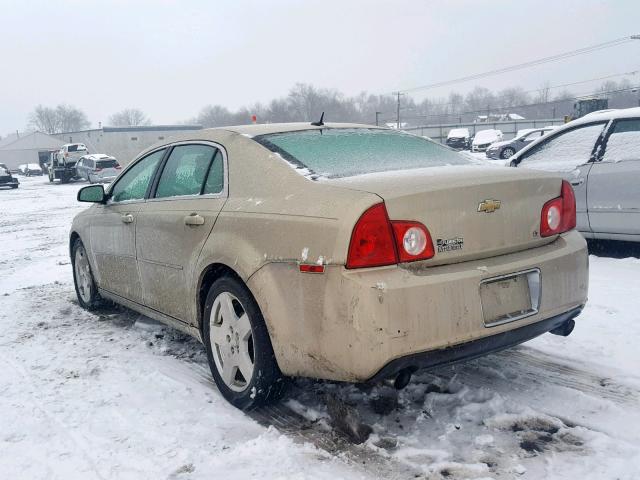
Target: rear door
[174,224]
[113,243]
[569,153]
[614,181]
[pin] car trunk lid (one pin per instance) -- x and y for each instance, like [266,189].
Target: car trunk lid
[471,212]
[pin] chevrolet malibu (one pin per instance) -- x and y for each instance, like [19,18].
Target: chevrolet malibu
[342,252]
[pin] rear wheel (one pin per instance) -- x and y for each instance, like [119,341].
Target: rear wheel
[507,152]
[238,346]
[85,284]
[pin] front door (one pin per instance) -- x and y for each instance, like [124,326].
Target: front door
[113,230]
[614,182]
[174,224]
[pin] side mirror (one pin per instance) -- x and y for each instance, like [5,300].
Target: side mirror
[92,194]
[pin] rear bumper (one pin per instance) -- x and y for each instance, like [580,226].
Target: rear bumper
[8,182]
[475,348]
[349,325]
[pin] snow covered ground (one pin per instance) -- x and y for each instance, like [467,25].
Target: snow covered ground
[116,395]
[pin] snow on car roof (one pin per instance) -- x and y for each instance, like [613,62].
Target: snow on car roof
[458,131]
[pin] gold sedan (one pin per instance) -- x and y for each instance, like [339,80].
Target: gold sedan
[337,251]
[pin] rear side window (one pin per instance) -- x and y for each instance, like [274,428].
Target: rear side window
[343,152]
[215,179]
[185,171]
[106,164]
[565,151]
[624,141]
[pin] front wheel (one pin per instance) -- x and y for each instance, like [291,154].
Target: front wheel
[85,284]
[507,152]
[238,346]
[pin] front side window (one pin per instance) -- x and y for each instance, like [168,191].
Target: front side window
[185,171]
[343,152]
[624,141]
[564,152]
[134,183]
[532,136]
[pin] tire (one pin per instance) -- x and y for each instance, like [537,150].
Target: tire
[251,353]
[83,280]
[506,153]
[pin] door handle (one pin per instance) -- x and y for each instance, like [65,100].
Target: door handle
[577,181]
[193,220]
[127,218]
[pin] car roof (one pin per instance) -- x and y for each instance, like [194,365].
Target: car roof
[267,128]
[610,114]
[99,156]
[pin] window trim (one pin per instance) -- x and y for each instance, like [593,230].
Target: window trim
[552,135]
[610,128]
[225,178]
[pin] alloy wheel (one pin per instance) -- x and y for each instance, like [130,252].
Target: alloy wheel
[231,341]
[83,274]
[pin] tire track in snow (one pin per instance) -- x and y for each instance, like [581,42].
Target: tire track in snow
[290,423]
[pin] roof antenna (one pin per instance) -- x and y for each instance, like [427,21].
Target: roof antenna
[319,123]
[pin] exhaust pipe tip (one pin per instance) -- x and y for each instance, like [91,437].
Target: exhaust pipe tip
[565,329]
[402,379]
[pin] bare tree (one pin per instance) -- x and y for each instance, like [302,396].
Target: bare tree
[215,116]
[129,117]
[44,119]
[63,118]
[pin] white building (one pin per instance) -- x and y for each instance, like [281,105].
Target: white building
[18,148]
[124,143]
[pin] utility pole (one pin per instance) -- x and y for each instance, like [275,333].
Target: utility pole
[377,114]
[398,110]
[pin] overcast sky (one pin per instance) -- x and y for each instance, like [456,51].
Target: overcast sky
[170,58]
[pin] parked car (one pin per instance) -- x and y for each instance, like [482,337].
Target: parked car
[97,168]
[227,234]
[6,179]
[506,149]
[599,154]
[30,169]
[459,138]
[484,138]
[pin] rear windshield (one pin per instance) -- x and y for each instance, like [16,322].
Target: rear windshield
[344,152]
[76,148]
[106,163]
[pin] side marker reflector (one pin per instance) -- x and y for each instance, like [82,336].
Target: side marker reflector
[306,268]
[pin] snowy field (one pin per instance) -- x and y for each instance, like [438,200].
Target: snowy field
[114,395]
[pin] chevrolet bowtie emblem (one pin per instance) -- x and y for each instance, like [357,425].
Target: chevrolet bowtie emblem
[489,206]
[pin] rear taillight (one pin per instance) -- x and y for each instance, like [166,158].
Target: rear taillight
[372,242]
[559,214]
[413,241]
[376,241]
[98,169]
[118,167]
